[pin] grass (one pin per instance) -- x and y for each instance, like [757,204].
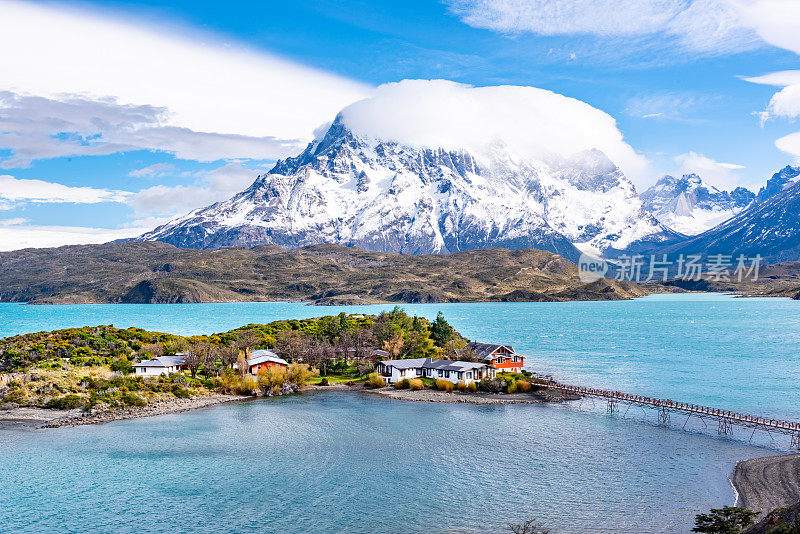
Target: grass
[337,379]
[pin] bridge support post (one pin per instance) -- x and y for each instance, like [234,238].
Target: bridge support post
[725,427]
[612,405]
[663,416]
[795,441]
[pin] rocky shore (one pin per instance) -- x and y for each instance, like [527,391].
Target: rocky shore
[41,418]
[432,395]
[765,484]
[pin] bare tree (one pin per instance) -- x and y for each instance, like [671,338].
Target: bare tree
[229,354]
[529,527]
[193,360]
[363,342]
[291,345]
[209,353]
[155,350]
[465,354]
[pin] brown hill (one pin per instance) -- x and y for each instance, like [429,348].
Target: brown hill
[326,274]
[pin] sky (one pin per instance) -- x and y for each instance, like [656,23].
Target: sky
[116,116]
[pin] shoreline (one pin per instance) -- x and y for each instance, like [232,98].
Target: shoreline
[36,418]
[764,484]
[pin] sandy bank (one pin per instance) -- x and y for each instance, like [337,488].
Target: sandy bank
[41,418]
[768,483]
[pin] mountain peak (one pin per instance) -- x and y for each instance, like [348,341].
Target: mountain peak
[689,206]
[388,197]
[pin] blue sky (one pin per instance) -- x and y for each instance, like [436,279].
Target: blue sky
[115,116]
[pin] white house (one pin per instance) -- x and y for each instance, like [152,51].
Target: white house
[163,365]
[455,371]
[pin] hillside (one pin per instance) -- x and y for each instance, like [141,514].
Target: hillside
[155,272]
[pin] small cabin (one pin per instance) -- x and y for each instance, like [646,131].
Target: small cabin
[260,360]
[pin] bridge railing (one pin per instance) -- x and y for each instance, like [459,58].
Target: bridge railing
[680,406]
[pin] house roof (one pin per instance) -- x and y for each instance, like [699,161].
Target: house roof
[430,363]
[485,350]
[162,361]
[262,356]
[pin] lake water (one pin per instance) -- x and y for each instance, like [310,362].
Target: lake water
[333,462]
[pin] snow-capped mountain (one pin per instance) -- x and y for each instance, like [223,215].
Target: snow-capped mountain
[770,226]
[385,196]
[781,180]
[690,207]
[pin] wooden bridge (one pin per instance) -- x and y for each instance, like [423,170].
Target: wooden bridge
[725,419]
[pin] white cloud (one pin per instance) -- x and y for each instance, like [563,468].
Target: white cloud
[34,127]
[706,26]
[790,144]
[153,171]
[712,172]
[16,190]
[201,93]
[156,203]
[17,236]
[528,120]
[670,106]
[777,22]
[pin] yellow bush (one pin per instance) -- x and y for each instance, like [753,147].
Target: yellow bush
[512,387]
[444,385]
[415,384]
[472,387]
[523,386]
[301,373]
[375,381]
[402,384]
[461,386]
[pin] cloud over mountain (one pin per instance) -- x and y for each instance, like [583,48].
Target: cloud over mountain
[527,121]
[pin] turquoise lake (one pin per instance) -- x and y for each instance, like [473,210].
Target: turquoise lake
[346,462]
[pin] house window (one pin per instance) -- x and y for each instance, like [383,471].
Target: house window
[419,372]
[469,375]
[447,374]
[460,375]
[440,373]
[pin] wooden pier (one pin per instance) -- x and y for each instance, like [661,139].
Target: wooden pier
[725,419]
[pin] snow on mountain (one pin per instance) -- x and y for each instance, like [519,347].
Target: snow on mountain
[769,226]
[781,180]
[385,196]
[690,207]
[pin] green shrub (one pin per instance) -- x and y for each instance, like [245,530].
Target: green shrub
[492,385]
[181,392]
[324,382]
[402,384]
[374,381]
[415,384]
[131,399]
[444,385]
[122,365]
[67,402]
[511,386]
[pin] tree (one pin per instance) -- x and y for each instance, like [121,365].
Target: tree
[465,354]
[193,360]
[291,345]
[441,331]
[363,342]
[228,354]
[529,527]
[725,520]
